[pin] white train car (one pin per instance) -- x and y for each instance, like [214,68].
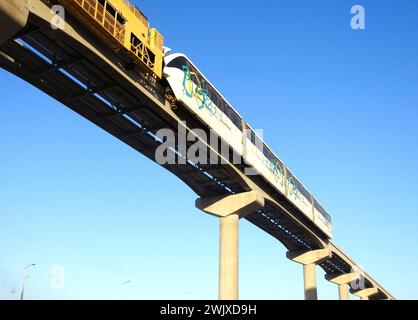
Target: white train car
[201,98]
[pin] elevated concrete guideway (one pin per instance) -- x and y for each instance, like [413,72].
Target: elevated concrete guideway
[73,67]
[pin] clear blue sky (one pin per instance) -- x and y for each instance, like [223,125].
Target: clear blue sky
[338,106]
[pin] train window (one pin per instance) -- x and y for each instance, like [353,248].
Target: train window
[212,96]
[192,70]
[253,137]
[277,161]
[266,151]
[305,192]
[204,86]
[219,102]
[178,63]
[322,211]
[259,143]
[293,182]
[269,154]
[200,80]
[227,110]
[248,132]
[290,178]
[299,187]
[196,77]
[218,99]
[236,119]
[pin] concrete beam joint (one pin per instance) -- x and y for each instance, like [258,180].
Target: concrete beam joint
[309,257]
[242,204]
[364,293]
[342,278]
[13,17]
[309,260]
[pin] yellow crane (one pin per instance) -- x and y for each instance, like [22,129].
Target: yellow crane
[122,27]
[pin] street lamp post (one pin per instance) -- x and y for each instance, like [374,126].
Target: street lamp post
[25,276]
[121,287]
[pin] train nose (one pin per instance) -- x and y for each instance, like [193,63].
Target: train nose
[166,51]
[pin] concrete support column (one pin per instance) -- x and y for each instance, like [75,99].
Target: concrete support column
[343,280]
[229,209]
[343,292]
[309,260]
[309,277]
[228,257]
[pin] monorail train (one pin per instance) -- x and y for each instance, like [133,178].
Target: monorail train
[124,29]
[201,98]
